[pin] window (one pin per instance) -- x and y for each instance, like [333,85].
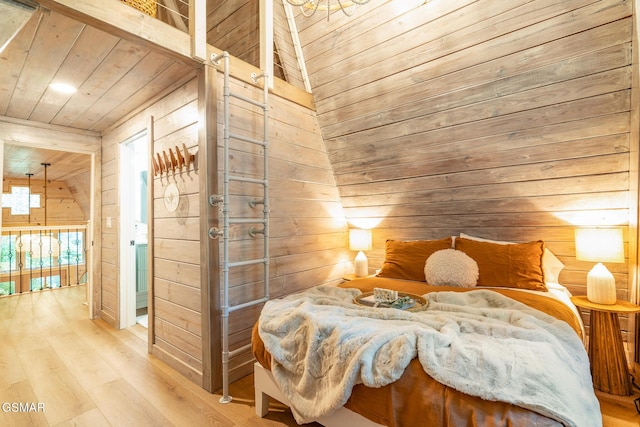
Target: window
[71,248]
[20,200]
[8,253]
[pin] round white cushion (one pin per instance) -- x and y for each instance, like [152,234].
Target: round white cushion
[449,267]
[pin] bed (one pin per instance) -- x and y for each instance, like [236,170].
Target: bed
[504,281]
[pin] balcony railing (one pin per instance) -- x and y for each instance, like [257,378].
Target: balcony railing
[172,12]
[36,258]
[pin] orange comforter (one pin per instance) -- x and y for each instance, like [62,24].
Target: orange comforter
[416,399]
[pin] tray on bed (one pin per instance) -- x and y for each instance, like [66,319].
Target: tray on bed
[419,303]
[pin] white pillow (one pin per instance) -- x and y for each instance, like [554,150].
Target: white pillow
[448,267]
[551,265]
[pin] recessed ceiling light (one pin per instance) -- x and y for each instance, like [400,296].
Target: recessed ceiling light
[63,88]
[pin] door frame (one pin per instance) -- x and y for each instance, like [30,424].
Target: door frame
[22,133]
[126,231]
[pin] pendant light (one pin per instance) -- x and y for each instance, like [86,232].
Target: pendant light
[47,244]
[310,7]
[25,240]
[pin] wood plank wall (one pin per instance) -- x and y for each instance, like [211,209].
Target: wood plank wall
[109,259]
[80,190]
[286,63]
[307,227]
[505,120]
[234,26]
[176,320]
[62,208]
[177,282]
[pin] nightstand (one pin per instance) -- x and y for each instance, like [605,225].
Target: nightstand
[609,368]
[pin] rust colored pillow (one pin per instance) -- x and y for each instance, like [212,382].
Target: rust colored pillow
[405,260]
[517,265]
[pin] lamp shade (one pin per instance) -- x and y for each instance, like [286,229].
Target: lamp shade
[359,239]
[599,245]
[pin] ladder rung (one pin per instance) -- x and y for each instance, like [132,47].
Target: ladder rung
[247,262]
[244,179]
[247,139]
[247,304]
[249,100]
[247,221]
[237,351]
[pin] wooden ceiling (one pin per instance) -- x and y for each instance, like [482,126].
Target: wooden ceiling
[20,160]
[114,77]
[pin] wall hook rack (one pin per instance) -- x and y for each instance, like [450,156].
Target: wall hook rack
[169,160]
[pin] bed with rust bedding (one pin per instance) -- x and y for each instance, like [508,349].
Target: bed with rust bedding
[418,398]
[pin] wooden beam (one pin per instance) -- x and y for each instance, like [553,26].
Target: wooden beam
[297,46]
[119,19]
[209,256]
[50,137]
[634,188]
[242,71]
[123,21]
[13,16]
[150,237]
[198,29]
[266,39]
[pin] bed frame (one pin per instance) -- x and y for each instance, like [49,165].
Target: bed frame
[266,388]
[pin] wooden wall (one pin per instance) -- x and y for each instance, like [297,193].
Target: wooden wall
[307,227]
[175,319]
[108,285]
[177,309]
[79,188]
[62,207]
[234,26]
[506,120]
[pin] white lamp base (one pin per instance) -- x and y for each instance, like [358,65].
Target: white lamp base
[361,264]
[601,286]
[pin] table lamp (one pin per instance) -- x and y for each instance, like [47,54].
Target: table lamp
[600,245]
[360,240]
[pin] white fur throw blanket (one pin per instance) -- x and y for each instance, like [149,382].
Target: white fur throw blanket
[478,342]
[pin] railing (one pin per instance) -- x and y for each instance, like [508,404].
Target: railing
[36,258]
[175,13]
[172,12]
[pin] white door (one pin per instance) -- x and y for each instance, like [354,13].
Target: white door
[133,229]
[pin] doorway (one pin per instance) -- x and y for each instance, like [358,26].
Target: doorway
[76,167]
[134,160]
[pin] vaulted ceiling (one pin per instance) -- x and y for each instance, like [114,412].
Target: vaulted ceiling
[113,77]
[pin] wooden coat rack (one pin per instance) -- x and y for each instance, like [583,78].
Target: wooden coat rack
[175,160]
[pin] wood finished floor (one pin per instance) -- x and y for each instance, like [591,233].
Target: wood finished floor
[89,374]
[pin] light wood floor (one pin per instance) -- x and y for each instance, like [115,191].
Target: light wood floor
[89,374]
[86,373]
